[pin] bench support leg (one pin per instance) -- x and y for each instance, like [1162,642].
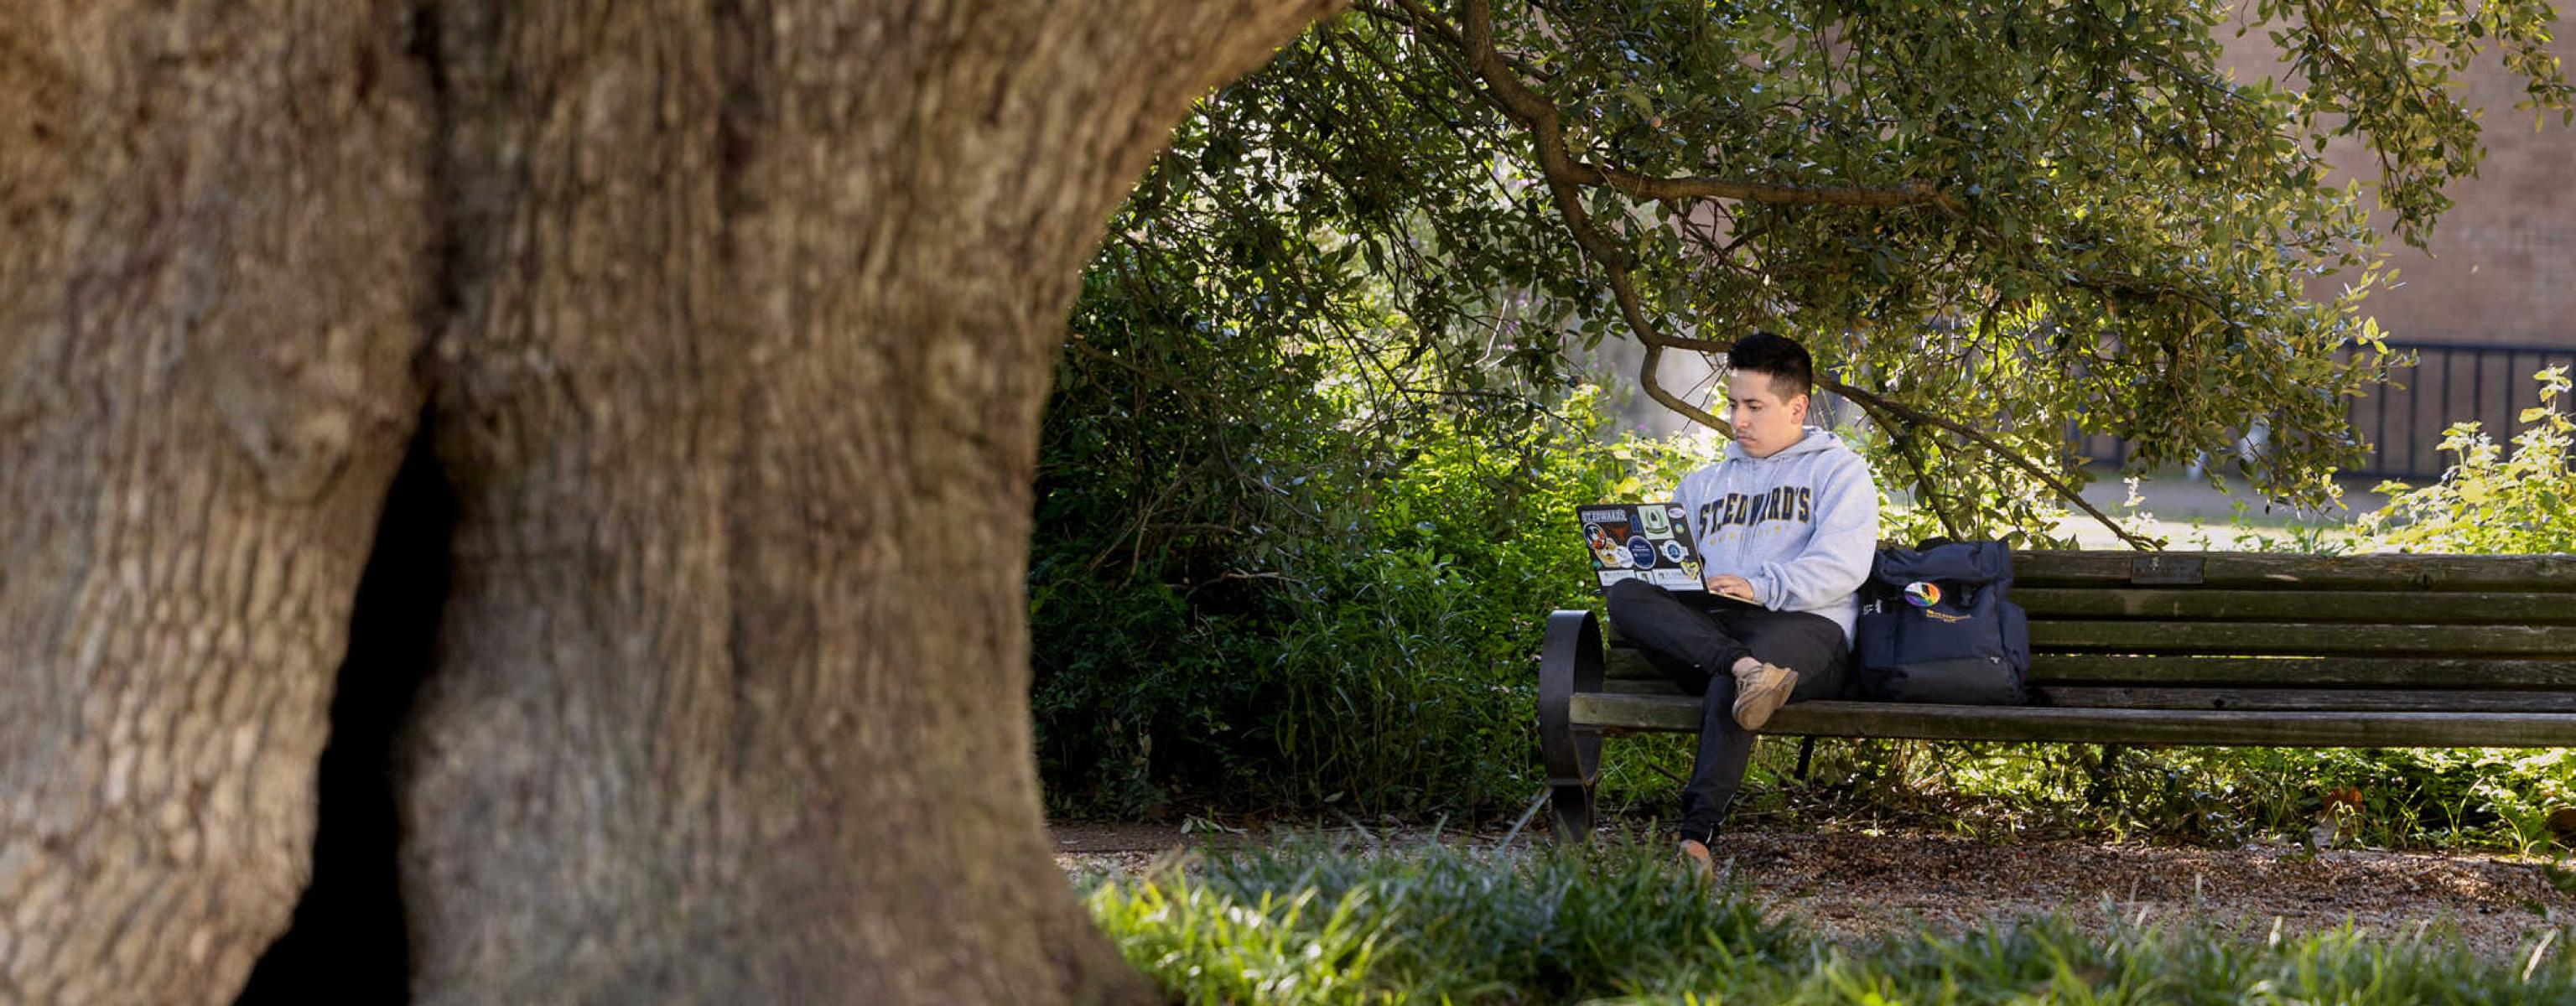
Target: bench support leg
[2103,770]
[1569,663]
[1806,756]
[1571,806]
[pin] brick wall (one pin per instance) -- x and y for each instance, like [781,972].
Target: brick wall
[2501,265]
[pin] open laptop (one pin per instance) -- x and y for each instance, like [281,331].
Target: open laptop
[1649,541]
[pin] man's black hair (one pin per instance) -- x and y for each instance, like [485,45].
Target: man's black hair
[1792,371]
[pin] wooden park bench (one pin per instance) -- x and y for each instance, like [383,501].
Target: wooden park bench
[2214,648]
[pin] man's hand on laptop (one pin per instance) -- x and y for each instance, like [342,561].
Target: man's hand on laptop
[1731,585]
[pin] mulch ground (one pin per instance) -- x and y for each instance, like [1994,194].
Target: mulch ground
[1858,884]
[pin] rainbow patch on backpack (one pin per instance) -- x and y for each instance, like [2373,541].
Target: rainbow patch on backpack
[1922,594]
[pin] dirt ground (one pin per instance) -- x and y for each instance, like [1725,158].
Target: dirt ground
[1855,885]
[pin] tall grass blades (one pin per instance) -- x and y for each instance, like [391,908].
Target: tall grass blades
[1211,948]
[1311,922]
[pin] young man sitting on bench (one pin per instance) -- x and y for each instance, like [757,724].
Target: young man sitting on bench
[1787,524]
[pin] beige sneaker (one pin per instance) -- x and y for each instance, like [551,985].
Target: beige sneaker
[1761,690]
[1696,862]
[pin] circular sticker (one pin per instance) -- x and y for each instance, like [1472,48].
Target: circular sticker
[1643,552]
[1922,594]
[1673,551]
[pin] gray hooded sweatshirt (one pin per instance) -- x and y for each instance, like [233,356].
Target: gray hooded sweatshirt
[1801,525]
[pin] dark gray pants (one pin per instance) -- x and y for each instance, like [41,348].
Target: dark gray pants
[1697,642]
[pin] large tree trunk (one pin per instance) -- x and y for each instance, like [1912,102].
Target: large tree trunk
[741,316]
[757,304]
[212,232]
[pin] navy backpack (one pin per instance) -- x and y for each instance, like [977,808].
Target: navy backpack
[1935,626]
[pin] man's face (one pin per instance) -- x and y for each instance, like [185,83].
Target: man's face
[1763,423]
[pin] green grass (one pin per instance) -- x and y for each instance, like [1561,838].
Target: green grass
[1308,922]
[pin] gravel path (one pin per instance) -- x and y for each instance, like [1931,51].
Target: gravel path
[1856,885]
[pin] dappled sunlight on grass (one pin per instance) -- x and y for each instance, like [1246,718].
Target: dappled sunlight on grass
[1311,921]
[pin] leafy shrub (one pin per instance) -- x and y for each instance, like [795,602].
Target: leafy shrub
[2410,798]
[2490,503]
[1260,581]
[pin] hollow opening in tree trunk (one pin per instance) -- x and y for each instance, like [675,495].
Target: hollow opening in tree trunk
[347,942]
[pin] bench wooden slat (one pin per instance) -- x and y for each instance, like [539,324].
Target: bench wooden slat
[1640,686]
[1619,713]
[1628,664]
[2479,608]
[2386,672]
[2512,573]
[2362,699]
[2255,638]
[2396,700]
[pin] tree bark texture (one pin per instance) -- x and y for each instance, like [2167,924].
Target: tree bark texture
[213,229]
[756,308]
[734,320]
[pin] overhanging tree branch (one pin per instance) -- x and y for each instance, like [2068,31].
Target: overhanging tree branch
[1911,449]
[1888,409]
[1914,192]
[1557,167]
[1881,403]
[1546,124]
[1563,174]
[1655,389]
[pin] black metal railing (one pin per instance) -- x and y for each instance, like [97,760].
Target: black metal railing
[2449,383]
